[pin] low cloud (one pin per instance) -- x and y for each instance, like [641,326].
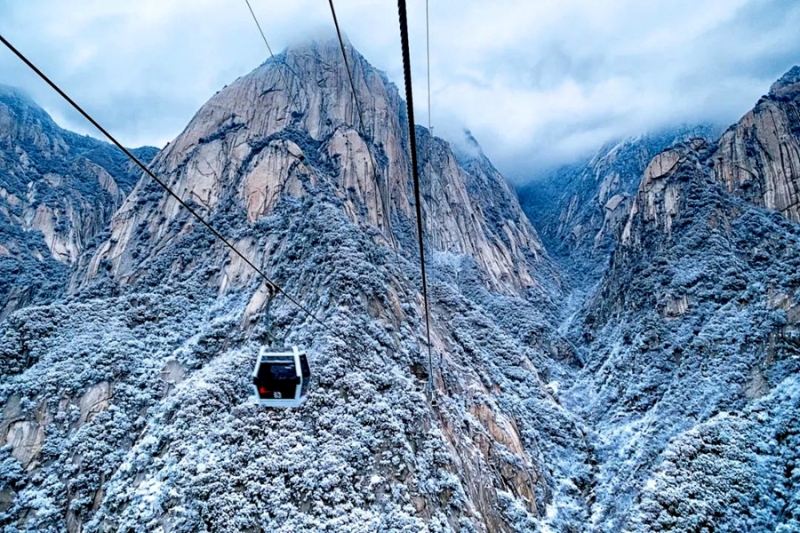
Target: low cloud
[538,83]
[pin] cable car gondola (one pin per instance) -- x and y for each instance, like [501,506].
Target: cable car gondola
[281,379]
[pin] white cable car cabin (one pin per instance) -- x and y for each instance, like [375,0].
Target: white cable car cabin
[281,379]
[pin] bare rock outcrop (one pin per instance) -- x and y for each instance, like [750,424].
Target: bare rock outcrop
[23,434]
[658,198]
[253,144]
[759,157]
[95,400]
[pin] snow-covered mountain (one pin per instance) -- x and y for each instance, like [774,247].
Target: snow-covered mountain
[690,339]
[578,208]
[659,395]
[125,403]
[689,343]
[58,191]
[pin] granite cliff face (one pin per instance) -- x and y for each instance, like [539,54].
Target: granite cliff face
[253,144]
[759,158]
[57,191]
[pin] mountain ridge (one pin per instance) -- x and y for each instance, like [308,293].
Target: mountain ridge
[690,329]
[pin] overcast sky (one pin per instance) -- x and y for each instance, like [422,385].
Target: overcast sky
[538,82]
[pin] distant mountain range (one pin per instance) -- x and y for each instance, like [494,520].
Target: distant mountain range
[616,350]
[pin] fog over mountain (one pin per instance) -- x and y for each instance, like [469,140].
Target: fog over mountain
[616,346]
[538,83]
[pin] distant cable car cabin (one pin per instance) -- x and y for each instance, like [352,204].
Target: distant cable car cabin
[281,379]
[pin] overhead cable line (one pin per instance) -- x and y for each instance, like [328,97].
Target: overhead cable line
[347,66]
[358,107]
[287,85]
[430,135]
[285,82]
[401,8]
[385,191]
[269,49]
[141,165]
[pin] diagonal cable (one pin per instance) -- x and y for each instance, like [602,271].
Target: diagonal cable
[430,135]
[384,193]
[141,165]
[347,67]
[269,49]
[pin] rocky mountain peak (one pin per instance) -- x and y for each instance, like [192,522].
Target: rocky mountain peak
[787,82]
[581,209]
[292,128]
[19,103]
[319,98]
[23,122]
[466,147]
[57,191]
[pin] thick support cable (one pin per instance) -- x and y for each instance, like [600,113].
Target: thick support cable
[271,284]
[430,125]
[401,8]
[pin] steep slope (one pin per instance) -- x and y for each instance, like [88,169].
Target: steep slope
[691,359]
[57,191]
[483,206]
[125,409]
